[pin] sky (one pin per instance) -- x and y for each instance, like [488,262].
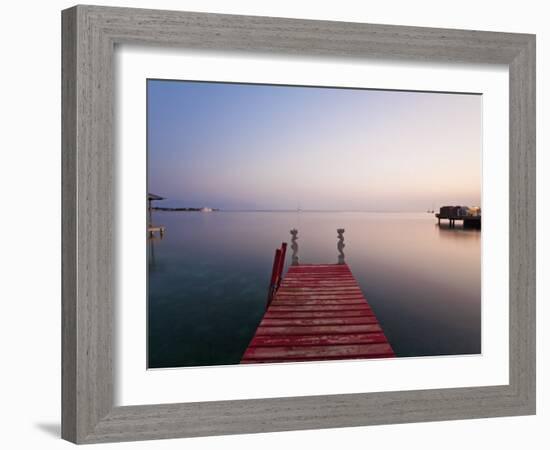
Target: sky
[266,147]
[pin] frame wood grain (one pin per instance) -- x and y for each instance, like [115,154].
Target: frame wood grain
[89,37]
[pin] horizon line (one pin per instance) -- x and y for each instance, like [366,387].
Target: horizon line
[305,210]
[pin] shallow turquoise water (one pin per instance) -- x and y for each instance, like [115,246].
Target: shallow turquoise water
[208,279]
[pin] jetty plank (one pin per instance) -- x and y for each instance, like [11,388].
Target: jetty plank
[318,321]
[319,300]
[319,351]
[331,339]
[318,313]
[318,329]
[318,307]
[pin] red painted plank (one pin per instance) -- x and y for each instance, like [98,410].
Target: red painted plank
[319,321]
[318,280]
[293,272]
[318,274]
[320,296]
[320,293]
[335,295]
[314,359]
[316,314]
[324,280]
[318,277]
[332,288]
[328,287]
[340,298]
[318,307]
[324,329]
[320,302]
[319,287]
[318,266]
[341,351]
[310,267]
[331,339]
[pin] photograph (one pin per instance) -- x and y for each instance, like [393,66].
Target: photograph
[296,224]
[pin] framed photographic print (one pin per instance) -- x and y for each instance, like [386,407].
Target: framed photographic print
[268,222]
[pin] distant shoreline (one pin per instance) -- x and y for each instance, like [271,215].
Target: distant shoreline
[203,209]
[178,209]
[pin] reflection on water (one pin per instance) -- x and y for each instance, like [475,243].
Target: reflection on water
[151,260]
[208,279]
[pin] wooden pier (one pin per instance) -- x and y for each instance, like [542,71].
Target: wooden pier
[317,312]
[454,213]
[155,229]
[152,229]
[467,222]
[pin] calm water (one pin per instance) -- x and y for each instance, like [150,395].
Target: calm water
[208,279]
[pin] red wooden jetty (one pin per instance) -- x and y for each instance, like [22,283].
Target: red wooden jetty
[316,312]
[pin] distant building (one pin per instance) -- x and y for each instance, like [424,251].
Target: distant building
[206,209]
[459,211]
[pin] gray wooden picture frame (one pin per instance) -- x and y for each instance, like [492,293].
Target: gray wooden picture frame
[89,37]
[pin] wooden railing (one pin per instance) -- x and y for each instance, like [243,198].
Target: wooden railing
[276,272]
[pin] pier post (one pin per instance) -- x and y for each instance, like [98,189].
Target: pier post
[273,282]
[294,246]
[341,245]
[281,264]
[149,210]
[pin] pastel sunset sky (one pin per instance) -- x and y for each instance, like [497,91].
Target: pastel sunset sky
[242,146]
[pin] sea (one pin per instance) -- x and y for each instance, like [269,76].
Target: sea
[208,279]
